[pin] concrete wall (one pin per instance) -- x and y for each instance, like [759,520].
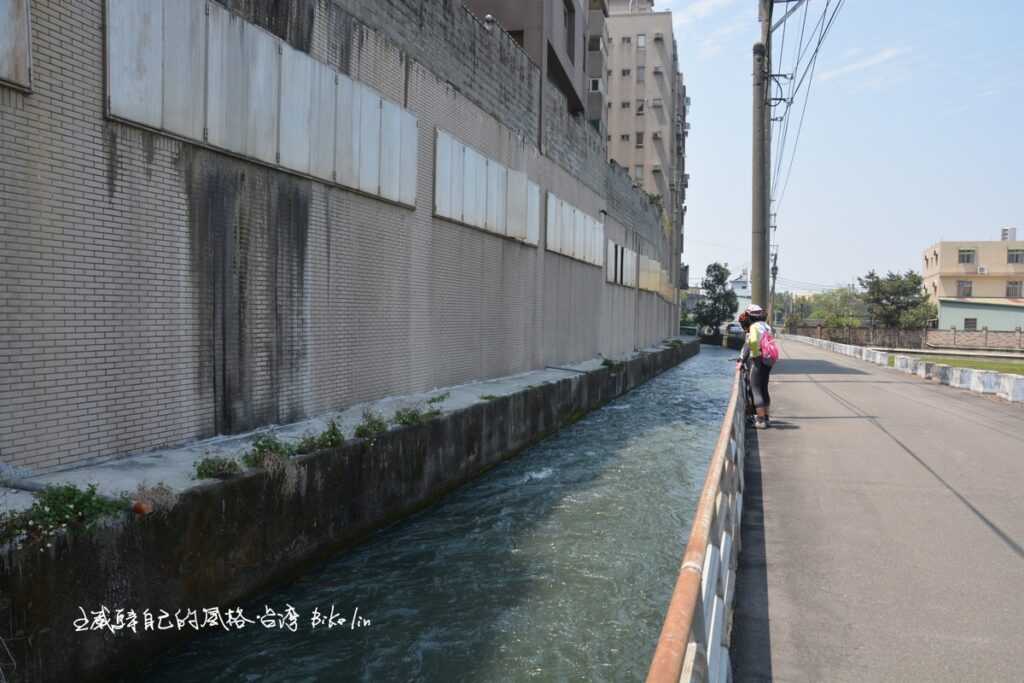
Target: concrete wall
[157,291]
[224,540]
[981,339]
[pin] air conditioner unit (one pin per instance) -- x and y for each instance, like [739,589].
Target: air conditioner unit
[656,135]
[982,270]
[656,168]
[659,37]
[658,70]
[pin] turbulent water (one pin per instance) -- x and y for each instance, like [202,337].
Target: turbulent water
[554,566]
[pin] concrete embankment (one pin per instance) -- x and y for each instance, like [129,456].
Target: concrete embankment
[225,540]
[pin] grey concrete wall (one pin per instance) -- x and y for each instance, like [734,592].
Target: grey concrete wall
[157,291]
[225,540]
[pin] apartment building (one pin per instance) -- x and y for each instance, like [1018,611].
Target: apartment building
[647,102]
[977,285]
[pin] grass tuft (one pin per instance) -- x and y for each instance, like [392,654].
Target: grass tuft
[55,509]
[217,467]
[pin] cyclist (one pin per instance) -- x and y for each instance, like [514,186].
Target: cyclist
[753,322]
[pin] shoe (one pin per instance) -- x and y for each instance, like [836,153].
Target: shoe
[760,423]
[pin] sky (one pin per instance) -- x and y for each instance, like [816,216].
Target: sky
[913,133]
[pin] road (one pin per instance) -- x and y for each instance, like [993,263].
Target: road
[882,530]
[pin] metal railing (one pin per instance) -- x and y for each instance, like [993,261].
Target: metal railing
[694,641]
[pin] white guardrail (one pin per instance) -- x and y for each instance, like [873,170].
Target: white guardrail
[1004,385]
[694,642]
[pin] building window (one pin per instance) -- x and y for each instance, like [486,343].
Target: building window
[16,44]
[1015,289]
[966,256]
[640,107]
[1015,255]
[638,174]
[570,29]
[624,137]
[964,288]
[640,73]
[639,139]
[517,36]
[595,85]
[971,324]
[625,104]
[641,41]
[626,40]
[626,72]
[609,73]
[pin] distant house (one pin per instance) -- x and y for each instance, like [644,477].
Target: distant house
[741,285]
[977,285]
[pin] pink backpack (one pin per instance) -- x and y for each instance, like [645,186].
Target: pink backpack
[769,348]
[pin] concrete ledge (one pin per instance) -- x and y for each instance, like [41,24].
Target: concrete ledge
[225,540]
[984,382]
[941,373]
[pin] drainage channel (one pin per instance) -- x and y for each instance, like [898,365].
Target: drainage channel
[554,566]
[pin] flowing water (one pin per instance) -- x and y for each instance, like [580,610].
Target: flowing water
[554,566]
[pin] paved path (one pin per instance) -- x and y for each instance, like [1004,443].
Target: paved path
[882,530]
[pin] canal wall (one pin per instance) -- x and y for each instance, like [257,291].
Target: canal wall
[1008,386]
[225,540]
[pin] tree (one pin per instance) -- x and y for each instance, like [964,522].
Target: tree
[838,308]
[719,303]
[892,298]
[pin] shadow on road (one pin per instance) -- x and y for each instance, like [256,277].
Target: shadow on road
[805,366]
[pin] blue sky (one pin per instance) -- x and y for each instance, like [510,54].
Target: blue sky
[914,132]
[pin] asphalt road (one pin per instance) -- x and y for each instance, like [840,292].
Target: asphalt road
[883,527]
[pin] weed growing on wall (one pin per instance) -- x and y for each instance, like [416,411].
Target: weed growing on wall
[330,438]
[373,424]
[217,467]
[56,509]
[265,448]
[440,398]
[613,365]
[488,397]
[408,417]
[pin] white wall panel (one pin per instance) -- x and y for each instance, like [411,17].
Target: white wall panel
[15,42]
[348,135]
[532,213]
[225,86]
[263,71]
[579,235]
[322,122]
[443,174]
[369,149]
[481,190]
[600,244]
[390,150]
[568,225]
[135,60]
[470,192]
[554,217]
[458,181]
[609,270]
[296,109]
[515,223]
[410,156]
[497,197]
[184,67]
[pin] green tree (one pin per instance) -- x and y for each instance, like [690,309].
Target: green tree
[719,303]
[891,298]
[838,308]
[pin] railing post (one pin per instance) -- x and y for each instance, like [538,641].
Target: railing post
[954,336]
[985,330]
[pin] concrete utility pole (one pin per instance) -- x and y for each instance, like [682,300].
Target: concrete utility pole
[761,158]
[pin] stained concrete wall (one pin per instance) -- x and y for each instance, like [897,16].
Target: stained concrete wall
[224,540]
[157,291]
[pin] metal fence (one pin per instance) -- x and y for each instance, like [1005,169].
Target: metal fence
[885,337]
[694,641]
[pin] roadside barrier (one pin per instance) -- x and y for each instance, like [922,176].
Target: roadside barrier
[1004,385]
[694,642]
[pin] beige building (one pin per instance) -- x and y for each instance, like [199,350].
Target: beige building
[977,284]
[647,102]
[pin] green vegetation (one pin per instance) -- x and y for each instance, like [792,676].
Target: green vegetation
[267,446]
[488,397]
[440,398]
[613,365]
[409,417]
[719,303]
[217,467]
[57,508]
[372,425]
[897,300]
[1008,365]
[330,438]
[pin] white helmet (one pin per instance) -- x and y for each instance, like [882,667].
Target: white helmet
[754,309]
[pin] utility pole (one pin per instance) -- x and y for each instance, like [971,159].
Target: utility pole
[775,274]
[761,159]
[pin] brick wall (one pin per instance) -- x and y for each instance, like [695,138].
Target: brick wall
[155,291]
